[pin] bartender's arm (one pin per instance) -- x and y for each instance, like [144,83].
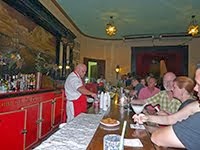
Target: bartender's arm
[84,91]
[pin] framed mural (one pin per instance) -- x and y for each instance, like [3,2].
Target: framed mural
[23,43]
[30,38]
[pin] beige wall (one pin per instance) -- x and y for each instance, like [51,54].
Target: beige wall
[119,52]
[113,52]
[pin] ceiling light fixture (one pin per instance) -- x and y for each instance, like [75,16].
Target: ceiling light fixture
[110,27]
[193,28]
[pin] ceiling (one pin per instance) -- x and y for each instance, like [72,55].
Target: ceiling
[133,18]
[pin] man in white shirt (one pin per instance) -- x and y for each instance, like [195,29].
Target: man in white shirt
[76,92]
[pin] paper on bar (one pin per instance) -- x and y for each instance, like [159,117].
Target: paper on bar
[133,143]
[136,126]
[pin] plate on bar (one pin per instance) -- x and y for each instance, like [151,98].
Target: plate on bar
[109,122]
[109,128]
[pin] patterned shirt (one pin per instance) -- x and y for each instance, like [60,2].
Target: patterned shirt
[165,103]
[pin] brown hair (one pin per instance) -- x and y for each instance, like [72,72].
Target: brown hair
[185,82]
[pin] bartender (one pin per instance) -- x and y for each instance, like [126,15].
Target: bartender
[76,92]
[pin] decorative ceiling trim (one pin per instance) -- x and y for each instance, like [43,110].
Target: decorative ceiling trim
[35,11]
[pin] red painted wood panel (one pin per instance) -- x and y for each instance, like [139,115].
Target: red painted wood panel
[16,103]
[38,114]
[58,110]
[32,117]
[47,107]
[11,127]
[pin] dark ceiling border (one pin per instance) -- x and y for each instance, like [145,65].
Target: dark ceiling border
[35,11]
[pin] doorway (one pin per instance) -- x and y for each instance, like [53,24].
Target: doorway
[96,67]
[92,71]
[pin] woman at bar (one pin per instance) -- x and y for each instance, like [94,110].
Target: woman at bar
[183,90]
[185,130]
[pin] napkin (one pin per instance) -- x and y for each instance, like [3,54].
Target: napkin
[136,126]
[133,143]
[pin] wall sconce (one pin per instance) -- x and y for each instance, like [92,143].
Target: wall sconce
[60,70]
[67,67]
[117,69]
[60,67]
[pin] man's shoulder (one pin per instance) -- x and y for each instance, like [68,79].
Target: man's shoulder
[174,100]
[163,92]
[139,86]
[71,76]
[144,89]
[159,95]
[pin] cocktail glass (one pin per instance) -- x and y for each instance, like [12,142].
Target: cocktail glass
[137,108]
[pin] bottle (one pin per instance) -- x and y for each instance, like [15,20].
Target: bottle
[116,98]
[122,99]
[105,102]
[101,100]
[108,99]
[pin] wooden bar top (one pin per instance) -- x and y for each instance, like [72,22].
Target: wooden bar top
[119,113]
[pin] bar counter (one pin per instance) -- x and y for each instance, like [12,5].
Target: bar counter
[27,117]
[86,132]
[119,113]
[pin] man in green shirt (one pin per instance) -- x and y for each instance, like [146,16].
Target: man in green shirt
[164,98]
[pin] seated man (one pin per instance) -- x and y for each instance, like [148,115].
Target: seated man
[164,98]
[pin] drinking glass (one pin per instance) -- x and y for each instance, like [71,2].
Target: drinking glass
[111,142]
[137,108]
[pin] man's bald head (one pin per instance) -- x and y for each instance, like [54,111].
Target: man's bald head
[169,75]
[81,70]
[80,66]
